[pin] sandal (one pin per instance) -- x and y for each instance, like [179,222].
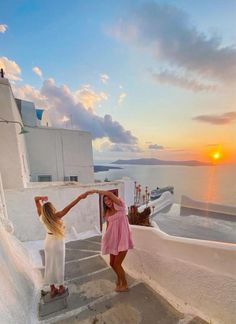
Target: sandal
[54,293]
[61,290]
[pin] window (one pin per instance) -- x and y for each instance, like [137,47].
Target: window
[74,178]
[44,178]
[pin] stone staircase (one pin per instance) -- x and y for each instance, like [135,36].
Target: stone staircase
[92,299]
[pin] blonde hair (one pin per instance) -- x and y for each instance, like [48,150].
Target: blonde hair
[53,223]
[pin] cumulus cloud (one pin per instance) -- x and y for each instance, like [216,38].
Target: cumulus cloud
[222,119]
[88,97]
[167,77]
[121,98]
[3,28]
[167,34]
[62,102]
[37,71]
[156,147]
[104,78]
[11,68]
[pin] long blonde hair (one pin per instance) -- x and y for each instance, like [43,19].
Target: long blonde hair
[53,223]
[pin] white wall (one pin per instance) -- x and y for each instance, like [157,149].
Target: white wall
[19,282]
[157,205]
[43,151]
[4,220]
[13,161]
[83,217]
[197,277]
[128,191]
[60,153]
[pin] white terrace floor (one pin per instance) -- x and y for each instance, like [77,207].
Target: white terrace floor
[92,299]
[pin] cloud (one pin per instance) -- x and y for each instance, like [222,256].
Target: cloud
[11,68]
[3,28]
[222,119]
[167,34]
[104,78]
[88,97]
[27,92]
[156,147]
[62,102]
[167,77]
[122,96]
[37,71]
[124,148]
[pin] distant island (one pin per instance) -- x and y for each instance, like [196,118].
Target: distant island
[100,168]
[153,161]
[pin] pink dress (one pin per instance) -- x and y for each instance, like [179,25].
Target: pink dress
[117,237]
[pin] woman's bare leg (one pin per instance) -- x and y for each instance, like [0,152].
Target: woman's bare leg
[120,271]
[112,260]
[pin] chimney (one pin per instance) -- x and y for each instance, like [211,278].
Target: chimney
[2,73]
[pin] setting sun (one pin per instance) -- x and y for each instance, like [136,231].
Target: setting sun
[216,155]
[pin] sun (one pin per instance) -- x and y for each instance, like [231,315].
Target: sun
[216,155]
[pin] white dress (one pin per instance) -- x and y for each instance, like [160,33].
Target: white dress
[54,249]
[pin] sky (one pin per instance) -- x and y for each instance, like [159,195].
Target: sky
[146,78]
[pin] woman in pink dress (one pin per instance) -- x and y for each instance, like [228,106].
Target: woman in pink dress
[117,238]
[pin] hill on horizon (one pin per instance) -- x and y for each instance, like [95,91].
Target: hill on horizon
[154,161]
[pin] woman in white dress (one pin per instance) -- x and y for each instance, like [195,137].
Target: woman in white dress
[54,244]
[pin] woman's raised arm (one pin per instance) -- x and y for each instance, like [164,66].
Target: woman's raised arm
[38,200]
[109,194]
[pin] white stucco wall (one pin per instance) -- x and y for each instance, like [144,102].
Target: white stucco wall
[83,217]
[13,161]
[157,205]
[197,277]
[128,190]
[19,282]
[60,153]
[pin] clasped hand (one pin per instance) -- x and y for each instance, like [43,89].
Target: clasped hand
[89,192]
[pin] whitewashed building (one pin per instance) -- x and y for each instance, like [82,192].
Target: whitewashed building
[44,153]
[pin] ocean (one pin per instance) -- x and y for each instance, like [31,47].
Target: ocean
[206,183]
